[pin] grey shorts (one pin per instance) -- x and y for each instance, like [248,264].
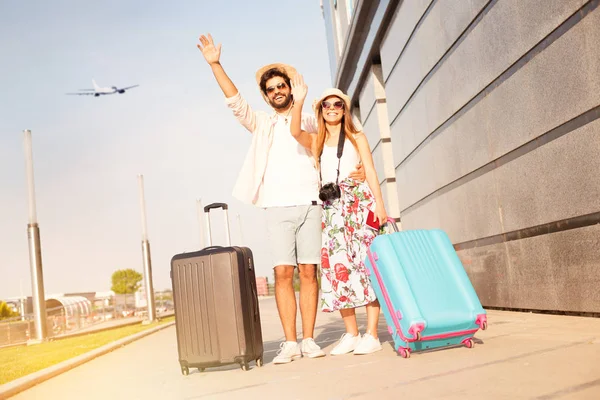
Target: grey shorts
[294,234]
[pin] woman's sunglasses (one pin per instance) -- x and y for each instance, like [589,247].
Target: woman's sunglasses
[338,105]
[279,86]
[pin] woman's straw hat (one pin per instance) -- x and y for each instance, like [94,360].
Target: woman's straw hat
[332,92]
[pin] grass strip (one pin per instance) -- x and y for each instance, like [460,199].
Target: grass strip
[16,362]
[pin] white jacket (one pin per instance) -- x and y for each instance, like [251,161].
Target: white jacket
[260,124]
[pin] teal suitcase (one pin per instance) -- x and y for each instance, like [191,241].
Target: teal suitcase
[425,294]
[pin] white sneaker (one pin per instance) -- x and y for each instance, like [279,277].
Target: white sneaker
[346,345]
[310,349]
[367,345]
[288,352]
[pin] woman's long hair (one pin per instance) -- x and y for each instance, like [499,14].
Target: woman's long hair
[347,126]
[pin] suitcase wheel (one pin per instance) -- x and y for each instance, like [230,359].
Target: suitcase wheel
[469,343]
[259,362]
[185,370]
[484,326]
[245,367]
[404,353]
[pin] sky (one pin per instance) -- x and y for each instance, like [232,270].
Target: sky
[174,129]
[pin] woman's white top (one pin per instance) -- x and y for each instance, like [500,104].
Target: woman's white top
[329,162]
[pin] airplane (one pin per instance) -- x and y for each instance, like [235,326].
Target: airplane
[99,91]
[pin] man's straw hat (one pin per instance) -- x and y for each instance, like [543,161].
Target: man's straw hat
[286,69]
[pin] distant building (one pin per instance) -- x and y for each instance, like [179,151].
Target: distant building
[140,298]
[483,119]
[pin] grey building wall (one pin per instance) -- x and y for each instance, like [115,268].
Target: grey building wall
[491,113]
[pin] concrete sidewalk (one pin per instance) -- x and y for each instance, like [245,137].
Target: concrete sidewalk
[520,356]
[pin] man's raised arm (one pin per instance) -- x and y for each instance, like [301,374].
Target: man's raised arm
[242,111]
[212,55]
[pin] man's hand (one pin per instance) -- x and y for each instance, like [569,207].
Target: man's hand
[358,174]
[211,53]
[299,88]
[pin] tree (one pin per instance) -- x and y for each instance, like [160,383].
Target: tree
[126,281]
[6,312]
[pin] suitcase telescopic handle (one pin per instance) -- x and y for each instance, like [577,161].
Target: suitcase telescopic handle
[215,205]
[392,222]
[207,213]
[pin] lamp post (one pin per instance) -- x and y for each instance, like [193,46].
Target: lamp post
[35,249]
[146,256]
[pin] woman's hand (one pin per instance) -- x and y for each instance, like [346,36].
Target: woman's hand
[211,53]
[299,89]
[381,214]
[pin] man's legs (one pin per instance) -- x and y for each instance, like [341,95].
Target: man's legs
[281,230]
[286,305]
[308,247]
[309,296]
[286,300]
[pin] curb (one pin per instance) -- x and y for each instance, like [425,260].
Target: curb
[26,382]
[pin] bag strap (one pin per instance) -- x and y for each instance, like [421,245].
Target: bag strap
[340,151]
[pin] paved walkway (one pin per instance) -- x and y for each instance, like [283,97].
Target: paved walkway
[520,356]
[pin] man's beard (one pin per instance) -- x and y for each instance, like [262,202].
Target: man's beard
[283,105]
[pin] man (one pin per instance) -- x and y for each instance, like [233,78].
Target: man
[279,175]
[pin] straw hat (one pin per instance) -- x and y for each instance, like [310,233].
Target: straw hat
[286,69]
[331,92]
[338,93]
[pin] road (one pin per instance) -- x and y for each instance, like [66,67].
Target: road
[520,356]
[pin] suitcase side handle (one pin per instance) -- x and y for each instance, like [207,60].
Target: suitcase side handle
[215,205]
[255,299]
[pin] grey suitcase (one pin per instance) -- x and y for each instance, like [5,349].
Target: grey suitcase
[217,317]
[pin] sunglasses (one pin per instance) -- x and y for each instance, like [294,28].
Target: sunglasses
[279,86]
[338,105]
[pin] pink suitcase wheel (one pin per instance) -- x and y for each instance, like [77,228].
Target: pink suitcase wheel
[404,353]
[484,326]
[469,343]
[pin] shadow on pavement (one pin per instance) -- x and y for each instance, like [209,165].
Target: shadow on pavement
[329,334]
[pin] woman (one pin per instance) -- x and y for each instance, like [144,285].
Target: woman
[347,207]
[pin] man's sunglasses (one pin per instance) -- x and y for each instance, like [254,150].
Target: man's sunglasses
[338,105]
[279,86]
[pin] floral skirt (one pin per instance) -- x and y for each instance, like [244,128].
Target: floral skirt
[346,239]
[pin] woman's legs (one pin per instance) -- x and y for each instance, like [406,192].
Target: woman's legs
[351,338]
[349,318]
[370,342]
[373,310]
